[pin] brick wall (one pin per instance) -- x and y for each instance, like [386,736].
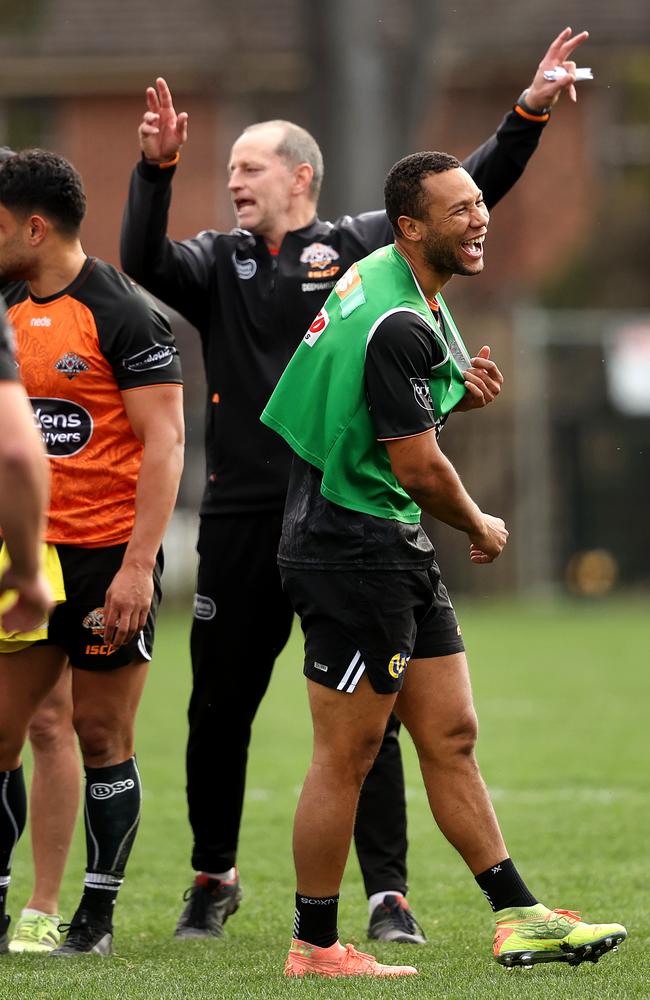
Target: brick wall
[545,216]
[99,135]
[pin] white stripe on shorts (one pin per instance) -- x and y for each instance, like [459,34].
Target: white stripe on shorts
[356,678]
[142,648]
[348,673]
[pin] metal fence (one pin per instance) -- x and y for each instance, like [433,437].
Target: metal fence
[581,450]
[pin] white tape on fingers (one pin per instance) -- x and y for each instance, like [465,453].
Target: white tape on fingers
[583,73]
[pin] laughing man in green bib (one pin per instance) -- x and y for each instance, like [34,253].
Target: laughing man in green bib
[362,403]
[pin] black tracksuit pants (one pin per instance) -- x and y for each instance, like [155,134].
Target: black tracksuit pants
[240,594]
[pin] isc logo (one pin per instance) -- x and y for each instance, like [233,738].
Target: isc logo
[106,790]
[105,650]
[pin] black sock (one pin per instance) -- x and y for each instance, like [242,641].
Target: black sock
[112,814]
[315,920]
[503,886]
[99,895]
[13,813]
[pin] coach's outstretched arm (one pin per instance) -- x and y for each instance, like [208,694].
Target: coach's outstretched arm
[500,161]
[542,93]
[177,272]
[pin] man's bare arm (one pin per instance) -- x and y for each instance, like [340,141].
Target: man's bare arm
[428,476]
[24,484]
[156,416]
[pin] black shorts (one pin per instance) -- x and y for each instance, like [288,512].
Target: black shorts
[77,625]
[371,622]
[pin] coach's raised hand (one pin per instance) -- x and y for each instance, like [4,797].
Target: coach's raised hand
[162,132]
[544,93]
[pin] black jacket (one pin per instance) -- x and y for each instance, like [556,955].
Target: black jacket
[252,308]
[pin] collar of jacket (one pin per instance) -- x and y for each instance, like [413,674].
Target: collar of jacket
[313,230]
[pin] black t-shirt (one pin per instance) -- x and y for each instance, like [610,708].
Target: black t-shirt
[318,534]
[7,364]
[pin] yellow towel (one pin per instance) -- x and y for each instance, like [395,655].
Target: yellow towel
[12,642]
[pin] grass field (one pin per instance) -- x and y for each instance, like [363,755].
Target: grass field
[562,695]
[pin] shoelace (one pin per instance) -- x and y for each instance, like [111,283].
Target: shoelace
[352,953]
[403,916]
[35,929]
[82,930]
[197,897]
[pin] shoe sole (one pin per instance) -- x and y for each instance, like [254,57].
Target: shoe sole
[572,956]
[292,972]
[103,949]
[30,949]
[202,933]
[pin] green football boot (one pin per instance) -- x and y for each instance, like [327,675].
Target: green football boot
[36,932]
[528,935]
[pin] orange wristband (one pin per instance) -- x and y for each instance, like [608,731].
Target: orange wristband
[531,117]
[171,163]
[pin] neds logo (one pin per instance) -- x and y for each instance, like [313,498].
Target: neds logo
[66,427]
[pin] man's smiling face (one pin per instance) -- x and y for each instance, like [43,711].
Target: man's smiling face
[456,222]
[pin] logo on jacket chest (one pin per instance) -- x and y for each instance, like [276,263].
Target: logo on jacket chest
[71,365]
[319,259]
[245,268]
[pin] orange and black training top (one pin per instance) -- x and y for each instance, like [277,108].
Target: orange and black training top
[77,351]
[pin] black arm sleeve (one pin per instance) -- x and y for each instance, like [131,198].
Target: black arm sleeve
[371,229]
[139,345]
[399,359]
[176,272]
[501,160]
[496,166]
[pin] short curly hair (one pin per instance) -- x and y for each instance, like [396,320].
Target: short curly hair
[403,194]
[39,181]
